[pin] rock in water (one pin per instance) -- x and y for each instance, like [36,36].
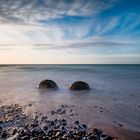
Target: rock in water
[47,84]
[79,85]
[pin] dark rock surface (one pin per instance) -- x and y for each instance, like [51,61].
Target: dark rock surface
[47,84]
[79,85]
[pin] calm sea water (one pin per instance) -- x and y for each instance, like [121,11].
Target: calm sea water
[115,87]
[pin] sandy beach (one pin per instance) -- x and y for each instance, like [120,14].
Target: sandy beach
[109,110]
[21,122]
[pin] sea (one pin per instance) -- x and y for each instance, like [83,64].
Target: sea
[114,88]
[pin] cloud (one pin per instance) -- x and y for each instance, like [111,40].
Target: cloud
[25,11]
[96,45]
[109,24]
[130,24]
[4,47]
[94,42]
[50,28]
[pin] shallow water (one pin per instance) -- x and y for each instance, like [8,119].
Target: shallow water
[115,88]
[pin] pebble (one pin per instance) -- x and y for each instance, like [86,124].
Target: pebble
[29,104]
[29,128]
[121,125]
[76,122]
[4,134]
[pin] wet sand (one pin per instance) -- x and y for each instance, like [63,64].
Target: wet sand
[16,117]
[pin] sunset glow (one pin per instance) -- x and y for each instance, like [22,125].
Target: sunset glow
[68,31]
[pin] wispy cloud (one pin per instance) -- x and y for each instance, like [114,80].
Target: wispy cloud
[83,44]
[78,27]
[30,11]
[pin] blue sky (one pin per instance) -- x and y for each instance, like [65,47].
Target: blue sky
[70,31]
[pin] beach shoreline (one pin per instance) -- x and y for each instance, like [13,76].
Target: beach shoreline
[112,103]
[15,118]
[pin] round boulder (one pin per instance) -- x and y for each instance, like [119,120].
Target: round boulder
[79,85]
[48,84]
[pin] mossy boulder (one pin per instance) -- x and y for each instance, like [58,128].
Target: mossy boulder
[47,84]
[79,85]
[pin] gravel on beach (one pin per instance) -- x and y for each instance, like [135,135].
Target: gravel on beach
[17,125]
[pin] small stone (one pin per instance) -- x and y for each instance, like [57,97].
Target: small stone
[53,112]
[76,122]
[34,124]
[21,132]
[4,134]
[24,138]
[58,134]
[64,137]
[121,125]
[84,138]
[1,127]
[78,137]
[103,135]
[14,131]
[45,128]
[36,117]
[63,122]
[84,125]
[30,104]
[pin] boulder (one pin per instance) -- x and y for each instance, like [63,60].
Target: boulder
[79,85]
[48,84]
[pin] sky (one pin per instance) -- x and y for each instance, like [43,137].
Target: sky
[69,31]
